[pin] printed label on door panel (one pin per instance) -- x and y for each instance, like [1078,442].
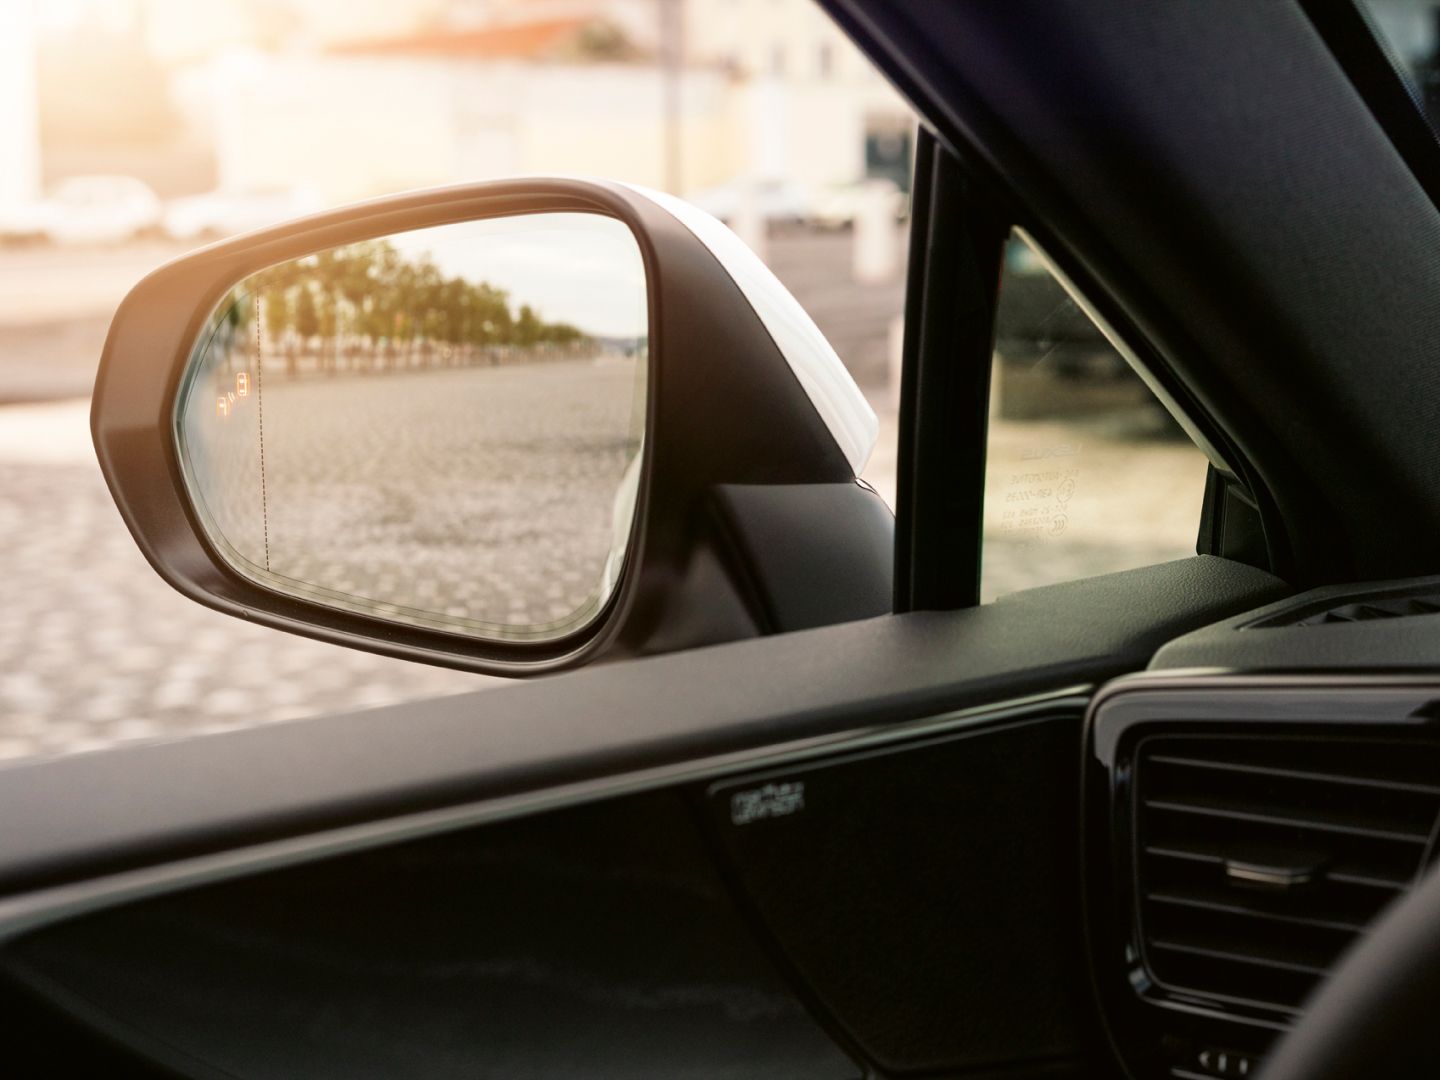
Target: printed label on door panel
[770,801]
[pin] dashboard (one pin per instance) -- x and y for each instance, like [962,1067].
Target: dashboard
[1243,830]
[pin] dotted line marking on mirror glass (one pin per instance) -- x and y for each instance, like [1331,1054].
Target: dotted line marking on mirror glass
[260,411]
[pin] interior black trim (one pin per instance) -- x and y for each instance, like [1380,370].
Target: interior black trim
[1262,641]
[905,462]
[456,956]
[1360,49]
[790,544]
[957,242]
[972,827]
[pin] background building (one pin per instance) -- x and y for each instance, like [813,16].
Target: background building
[357,99]
[19,115]
[476,89]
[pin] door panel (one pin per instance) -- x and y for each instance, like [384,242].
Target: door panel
[928,894]
[595,942]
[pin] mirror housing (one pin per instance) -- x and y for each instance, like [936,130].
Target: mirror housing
[746,402]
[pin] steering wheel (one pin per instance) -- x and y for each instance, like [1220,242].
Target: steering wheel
[1378,1014]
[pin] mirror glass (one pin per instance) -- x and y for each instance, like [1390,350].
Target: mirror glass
[441,427]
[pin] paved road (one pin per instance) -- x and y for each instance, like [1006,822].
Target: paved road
[40,283]
[55,306]
[95,648]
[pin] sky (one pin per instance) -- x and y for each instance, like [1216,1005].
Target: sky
[582,269]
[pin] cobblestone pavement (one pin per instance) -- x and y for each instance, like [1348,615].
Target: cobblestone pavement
[95,648]
[480,499]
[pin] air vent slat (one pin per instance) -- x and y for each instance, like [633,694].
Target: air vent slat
[1261,858]
[1377,783]
[1231,957]
[1303,821]
[1255,913]
[1370,881]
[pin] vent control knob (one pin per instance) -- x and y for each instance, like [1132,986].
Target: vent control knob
[1271,877]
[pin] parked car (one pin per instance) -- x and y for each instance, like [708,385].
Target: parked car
[837,207]
[220,213]
[800,806]
[772,200]
[95,210]
[22,221]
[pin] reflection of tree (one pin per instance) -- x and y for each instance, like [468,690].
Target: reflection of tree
[370,305]
[276,304]
[306,317]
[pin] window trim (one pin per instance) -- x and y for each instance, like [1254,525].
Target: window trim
[1132,358]
[1001,166]
[1378,77]
[957,243]
[959,229]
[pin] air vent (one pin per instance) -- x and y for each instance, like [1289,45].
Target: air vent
[1360,609]
[1259,859]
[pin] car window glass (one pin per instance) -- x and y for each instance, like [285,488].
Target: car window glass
[1409,30]
[132,133]
[1086,473]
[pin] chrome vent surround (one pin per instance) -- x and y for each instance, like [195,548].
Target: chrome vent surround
[1259,858]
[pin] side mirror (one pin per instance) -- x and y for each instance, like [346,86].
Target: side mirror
[512,427]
